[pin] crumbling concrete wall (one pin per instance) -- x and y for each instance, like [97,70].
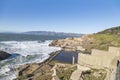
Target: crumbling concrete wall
[100,59]
[99,52]
[114,50]
[96,61]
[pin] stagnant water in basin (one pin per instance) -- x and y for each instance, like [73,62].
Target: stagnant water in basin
[66,56]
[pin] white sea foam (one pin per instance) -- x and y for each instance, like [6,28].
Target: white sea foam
[30,51]
[28,47]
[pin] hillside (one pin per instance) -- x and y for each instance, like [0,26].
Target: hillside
[114,30]
[53,33]
[102,40]
[35,35]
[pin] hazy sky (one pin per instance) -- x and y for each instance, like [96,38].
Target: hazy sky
[79,16]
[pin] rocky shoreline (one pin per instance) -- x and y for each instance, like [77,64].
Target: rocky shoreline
[33,68]
[49,69]
[72,44]
[28,70]
[42,71]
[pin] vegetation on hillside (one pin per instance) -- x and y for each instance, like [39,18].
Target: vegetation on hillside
[114,30]
[103,39]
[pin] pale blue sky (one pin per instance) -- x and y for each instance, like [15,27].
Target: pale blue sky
[79,16]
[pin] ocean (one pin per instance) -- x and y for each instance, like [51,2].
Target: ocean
[24,49]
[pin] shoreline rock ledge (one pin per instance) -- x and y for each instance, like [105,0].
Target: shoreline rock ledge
[69,44]
[4,55]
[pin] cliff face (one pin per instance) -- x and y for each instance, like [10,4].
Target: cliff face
[4,55]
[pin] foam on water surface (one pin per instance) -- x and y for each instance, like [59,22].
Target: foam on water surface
[29,52]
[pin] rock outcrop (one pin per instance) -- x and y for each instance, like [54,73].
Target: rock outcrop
[34,71]
[37,71]
[4,55]
[72,44]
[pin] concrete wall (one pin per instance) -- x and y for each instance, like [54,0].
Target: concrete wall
[114,50]
[99,52]
[99,58]
[96,61]
[102,59]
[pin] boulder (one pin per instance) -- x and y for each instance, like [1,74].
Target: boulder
[4,55]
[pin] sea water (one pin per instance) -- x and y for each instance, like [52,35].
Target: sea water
[23,52]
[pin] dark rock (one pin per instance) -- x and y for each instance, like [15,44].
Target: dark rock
[4,55]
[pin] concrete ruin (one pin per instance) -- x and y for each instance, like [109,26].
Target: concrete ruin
[102,60]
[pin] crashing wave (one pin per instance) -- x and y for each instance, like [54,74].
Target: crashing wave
[29,52]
